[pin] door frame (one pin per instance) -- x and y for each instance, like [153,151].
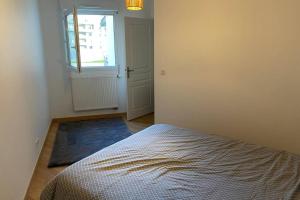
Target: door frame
[151,55]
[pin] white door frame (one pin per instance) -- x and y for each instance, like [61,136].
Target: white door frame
[140,84]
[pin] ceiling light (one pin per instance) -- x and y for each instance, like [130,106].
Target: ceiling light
[134,4]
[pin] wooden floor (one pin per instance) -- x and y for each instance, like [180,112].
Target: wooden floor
[42,174]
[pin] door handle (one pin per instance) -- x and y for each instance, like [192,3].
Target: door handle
[128,70]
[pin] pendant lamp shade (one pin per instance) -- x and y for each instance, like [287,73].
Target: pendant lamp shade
[134,4]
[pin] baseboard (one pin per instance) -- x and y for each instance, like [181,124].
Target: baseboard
[89,117]
[38,159]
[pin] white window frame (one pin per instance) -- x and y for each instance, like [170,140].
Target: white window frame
[87,11]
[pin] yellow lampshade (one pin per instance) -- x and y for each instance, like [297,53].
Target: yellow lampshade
[134,4]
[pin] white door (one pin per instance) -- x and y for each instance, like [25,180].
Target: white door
[139,37]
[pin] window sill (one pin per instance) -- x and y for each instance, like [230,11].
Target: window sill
[96,68]
[94,72]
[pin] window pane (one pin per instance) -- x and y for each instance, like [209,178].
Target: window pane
[71,38]
[96,36]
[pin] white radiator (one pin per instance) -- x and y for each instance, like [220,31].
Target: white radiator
[95,91]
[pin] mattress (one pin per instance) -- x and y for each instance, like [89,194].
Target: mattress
[164,162]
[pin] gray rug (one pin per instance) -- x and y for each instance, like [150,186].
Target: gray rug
[77,140]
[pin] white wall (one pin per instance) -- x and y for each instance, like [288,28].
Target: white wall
[24,115]
[232,68]
[58,75]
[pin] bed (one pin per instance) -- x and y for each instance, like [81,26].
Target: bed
[164,162]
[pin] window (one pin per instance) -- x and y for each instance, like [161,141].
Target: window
[93,33]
